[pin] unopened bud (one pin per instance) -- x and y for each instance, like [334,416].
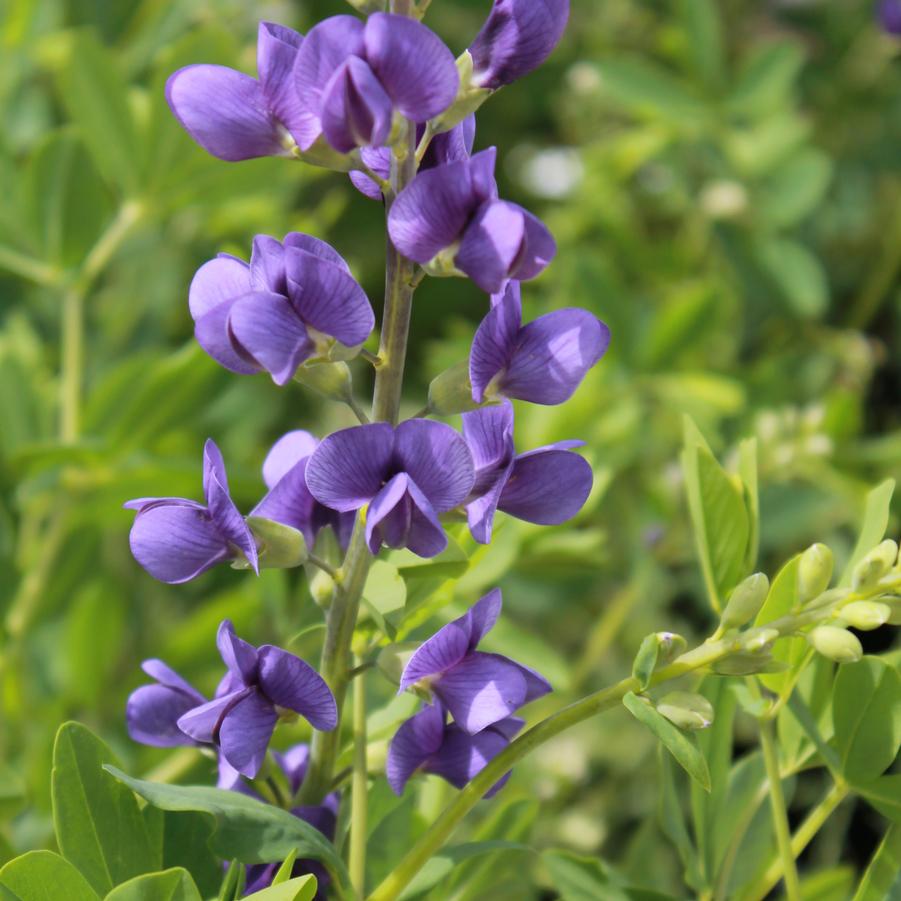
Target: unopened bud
[745,601]
[656,648]
[322,588]
[866,615]
[743,664]
[671,646]
[814,572]
[836,644]
[686,710]
[451,392]
[874,566]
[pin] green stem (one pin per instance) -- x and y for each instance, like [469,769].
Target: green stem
[359,790]
[801,839]
[72,365]
[28,267]
[787,863]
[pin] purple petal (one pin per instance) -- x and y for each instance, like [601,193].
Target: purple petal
[213,467]
[239,656]
[492,243]
[547,488]
[324,49]
[463,756]
[489,434]
[516,38]
[426,537]
[145,503]
[483,615]
[446,648]
[176,543]
[212,334]
[267,266]
[224,111]
[317,247]
[480,512]
[328,298]
[290,682]
[389,514]
[152,714]
[273,334]
[347,469]
[379,160]
[437,459]
[416,740]
[356,111]
[482,689]
[245,733]
[202,723]
[290,502]
[431,213]
[293,763]
[537,251]
[285,454]
[451,146]
[495,341]
[413,63]
[167,676]
[277,48]
[536,685]
[229,779]
[228,519]
[890,16]
[553,354]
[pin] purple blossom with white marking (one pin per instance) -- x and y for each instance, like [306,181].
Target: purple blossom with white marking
[290,304]
[547,486]
[260,684]
[543,361]
[427,743]
[406,474]
[517,37]
[478,689]
[352,78]
[176,539]
[450,220]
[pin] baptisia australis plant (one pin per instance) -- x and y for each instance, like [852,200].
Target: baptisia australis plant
[383,98]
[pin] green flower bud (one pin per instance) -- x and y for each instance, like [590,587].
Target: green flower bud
[866,615]
[469,97]
[322,587]
[280,546]
[451,392]
[874,566]
[671,646]
[745,601]
[330,380]
[686,710]
[894,605]
[836,644]
[814,572]
[742,664]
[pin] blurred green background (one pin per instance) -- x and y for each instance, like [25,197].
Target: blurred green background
[723,181]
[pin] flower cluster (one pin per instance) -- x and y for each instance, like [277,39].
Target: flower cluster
[369,98]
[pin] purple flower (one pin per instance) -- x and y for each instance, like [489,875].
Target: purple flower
[451,221]
[280,310]
[478,689]
[289,501]
[176,540]
[152,711]
[447,147]
[547,486]
[889,12]
[260,684]
[516,38]
[407,475]
[352,78]
[427,743]
[542,362]
[236,117]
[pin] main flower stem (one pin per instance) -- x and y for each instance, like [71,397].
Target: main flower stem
[359,789]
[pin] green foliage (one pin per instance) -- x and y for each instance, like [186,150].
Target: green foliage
[45,876]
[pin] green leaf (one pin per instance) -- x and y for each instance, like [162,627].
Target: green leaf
[12,791]
[442,864]
[284,871]
[98,824]
[767,80]
[795,189]
[646,88]
[170,885]
[385,590]
[683,747]
[186,843]
[882,880]
[301,888]
[719,516]
[672,821]
[747,472]
[866,712]
[247,830]
[44,876]
[95,95]
[797,273]
[705,39]
[578,878]
[646,659]
[872,529]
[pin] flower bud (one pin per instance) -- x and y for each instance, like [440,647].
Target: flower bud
[758,641]
[686,710]
[836,644]
[745,601]
[280,546]
[469,97]
[656,648]
[451,392]
[744,664]
[866,615]
[330,380]
[814,572]
[322,587]
[874,566]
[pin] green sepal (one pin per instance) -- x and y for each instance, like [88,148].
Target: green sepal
[280,546]
[469,97]
[686,709]
[329,380]
[451,391]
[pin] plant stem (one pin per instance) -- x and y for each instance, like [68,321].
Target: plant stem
[72,365]
[359,790]
[787,863]
[801,839]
